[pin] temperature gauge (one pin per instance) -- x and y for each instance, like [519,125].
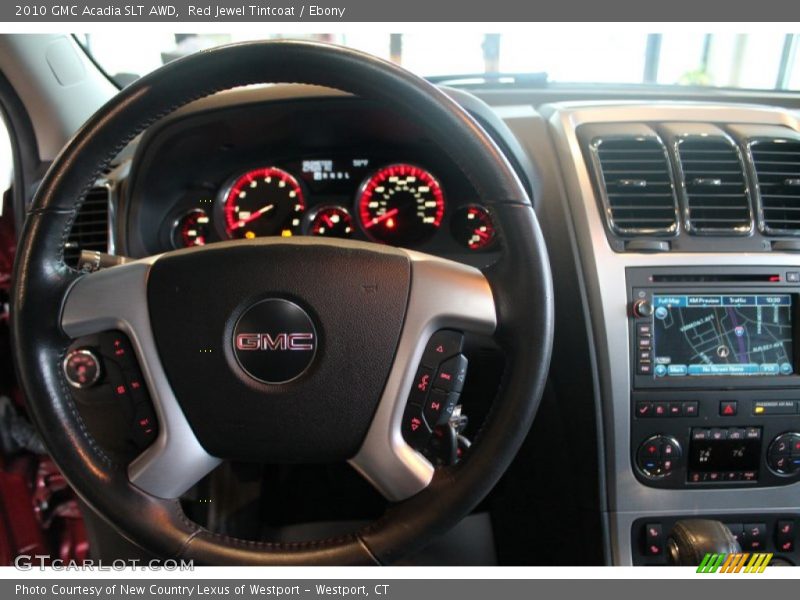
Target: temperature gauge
[331,221]
[191,229]
[472,227]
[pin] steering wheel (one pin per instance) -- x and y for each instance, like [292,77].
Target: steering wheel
[350,322]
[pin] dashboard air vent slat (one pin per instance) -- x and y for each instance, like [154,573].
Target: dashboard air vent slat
[635,176]
[714,186]
[90,229]
[777,166]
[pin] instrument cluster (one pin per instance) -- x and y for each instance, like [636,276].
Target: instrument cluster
[391,202]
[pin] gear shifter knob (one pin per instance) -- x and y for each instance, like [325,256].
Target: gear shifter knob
[690,540]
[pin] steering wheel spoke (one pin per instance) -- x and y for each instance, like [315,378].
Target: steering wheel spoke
[116,299]
[443,295]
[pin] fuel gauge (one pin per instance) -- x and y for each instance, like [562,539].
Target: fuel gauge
[331,221]
[191,229]
[472,227]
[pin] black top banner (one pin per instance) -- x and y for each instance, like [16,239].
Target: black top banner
[327,11]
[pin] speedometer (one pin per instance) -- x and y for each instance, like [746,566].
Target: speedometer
[400,204]
[266,201]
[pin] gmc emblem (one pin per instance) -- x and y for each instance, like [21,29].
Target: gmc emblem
[280,341]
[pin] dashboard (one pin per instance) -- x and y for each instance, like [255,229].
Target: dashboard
[673,242]
[330,167]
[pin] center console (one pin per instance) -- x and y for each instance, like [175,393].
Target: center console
[714,390]
[683,222]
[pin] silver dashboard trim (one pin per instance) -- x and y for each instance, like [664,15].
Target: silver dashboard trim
[116,298]
[443,294]
[603,271]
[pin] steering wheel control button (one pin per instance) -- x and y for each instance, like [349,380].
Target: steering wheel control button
[658,456]
[144,427]
[452,374]
[82,368]
[423,381]
[439,407]
[442,345]
[274,341]
[415,430]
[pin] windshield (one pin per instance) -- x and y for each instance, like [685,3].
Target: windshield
[766,61]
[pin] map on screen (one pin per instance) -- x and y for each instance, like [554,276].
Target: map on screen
[699,335]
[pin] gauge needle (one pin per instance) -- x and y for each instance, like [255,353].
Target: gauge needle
[253,216]
[383,217]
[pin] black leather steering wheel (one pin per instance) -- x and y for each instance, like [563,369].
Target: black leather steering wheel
[349,403]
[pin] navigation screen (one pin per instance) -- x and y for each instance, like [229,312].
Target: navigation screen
[701,335]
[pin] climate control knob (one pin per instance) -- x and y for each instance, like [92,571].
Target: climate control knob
[783,455]
[658,456]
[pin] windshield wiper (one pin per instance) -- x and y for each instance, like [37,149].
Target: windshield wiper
[538,80]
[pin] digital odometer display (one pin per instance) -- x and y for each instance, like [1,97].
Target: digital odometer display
[722,335]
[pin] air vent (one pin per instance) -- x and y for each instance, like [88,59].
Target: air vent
[90,229]
[637,186]
[777,166]
[716,195]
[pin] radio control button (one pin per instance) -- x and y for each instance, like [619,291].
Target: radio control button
[415,430]
[439,407]
[644,329]
[452,374]
[642,308]
[442,345]
[645,368]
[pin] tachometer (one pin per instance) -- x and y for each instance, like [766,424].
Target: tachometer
[400,204]
[267,201]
